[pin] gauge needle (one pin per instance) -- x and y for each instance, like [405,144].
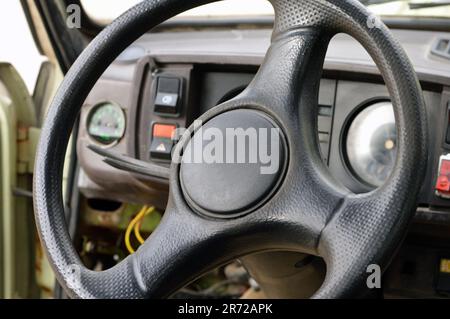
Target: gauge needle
[129,164]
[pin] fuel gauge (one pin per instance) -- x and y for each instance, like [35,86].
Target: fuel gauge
[106,123]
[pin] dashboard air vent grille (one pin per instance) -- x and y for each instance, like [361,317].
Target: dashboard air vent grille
[441,47]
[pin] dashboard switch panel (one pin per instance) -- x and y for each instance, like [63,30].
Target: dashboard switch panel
[443,180]
[168,95]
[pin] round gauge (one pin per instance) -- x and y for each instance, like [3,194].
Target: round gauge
[371,145]
[106,123]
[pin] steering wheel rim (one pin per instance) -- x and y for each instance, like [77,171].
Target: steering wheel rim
[310,212]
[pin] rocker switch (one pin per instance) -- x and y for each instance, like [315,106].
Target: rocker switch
[168,95]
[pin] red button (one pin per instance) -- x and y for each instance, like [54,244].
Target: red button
[443,184]
[164,130]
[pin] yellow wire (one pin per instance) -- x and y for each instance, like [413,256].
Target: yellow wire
[130,228]
[137,226]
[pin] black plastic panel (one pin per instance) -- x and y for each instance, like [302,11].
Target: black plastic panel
[219,86]
[351,95]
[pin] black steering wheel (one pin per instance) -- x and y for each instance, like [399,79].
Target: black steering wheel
[220,212]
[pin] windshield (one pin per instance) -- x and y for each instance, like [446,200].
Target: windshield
[104,11]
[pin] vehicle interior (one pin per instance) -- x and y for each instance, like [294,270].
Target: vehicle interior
[106,191]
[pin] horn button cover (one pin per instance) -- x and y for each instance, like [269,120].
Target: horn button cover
[233,163]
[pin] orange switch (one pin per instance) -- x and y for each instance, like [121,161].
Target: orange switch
[164,130]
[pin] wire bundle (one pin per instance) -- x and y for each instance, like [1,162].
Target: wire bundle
[135,225]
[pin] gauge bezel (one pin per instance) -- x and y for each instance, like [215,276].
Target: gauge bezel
[344,134]
[92,111]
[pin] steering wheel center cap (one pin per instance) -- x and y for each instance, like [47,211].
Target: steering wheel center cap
[233,163]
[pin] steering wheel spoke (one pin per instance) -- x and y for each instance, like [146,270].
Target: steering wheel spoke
[186,245]
[174,254]
[289,77]
[359,228]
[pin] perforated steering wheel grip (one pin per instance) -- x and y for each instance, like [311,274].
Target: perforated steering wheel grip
[302,208]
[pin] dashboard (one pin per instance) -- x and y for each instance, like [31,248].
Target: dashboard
[166,80]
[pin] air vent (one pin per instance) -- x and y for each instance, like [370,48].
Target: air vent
[441,47]
[324,128]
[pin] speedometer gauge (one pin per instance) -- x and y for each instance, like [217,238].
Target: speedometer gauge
[106,123]
[371,144]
